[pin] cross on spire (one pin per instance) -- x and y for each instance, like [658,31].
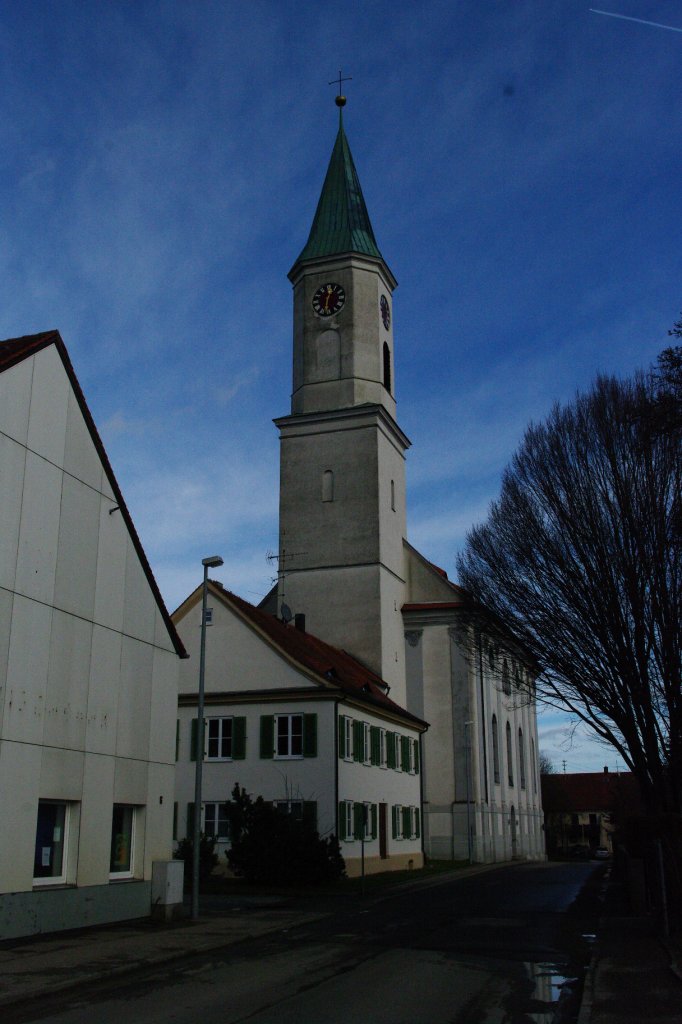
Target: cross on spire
[340,100]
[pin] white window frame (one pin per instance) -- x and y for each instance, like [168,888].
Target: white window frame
[128,872]
[349,816]
[368,820]
[217,817]
[398,751]
[221,720]
[292,807]
[63,842]
[290,737]
[366,744]
[399,821]
[383,759]
[348,733]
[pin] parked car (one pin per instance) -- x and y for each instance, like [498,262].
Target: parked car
[601,853]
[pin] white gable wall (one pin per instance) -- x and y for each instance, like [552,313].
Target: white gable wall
[88,672]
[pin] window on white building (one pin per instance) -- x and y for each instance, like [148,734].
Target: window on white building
[496,750]
[366,743]
[510,757]
[216,824]
[292,807]
[522,761]
[219,739]
[49,862]
[289,735]
[122,840]
[506,681]
[382,748]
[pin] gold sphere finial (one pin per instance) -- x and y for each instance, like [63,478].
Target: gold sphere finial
[340,101]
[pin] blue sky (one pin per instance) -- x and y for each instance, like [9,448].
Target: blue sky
[160,164]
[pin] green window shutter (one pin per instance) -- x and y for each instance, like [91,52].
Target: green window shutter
[357,821]
[239,738]
[394,821]
[267,735]
[357,741]
[177,740]
[310,813]
[416,757]
[342,820]
[407,830]
[417,830]
[175,821]
[374,821]
[390,750]
[310,735]
[194,734]
[342,735]
[374,743]
[190,820]
[405,753]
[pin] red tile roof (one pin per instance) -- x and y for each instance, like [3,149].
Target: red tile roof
[336,668]
[13,351]
[589,791]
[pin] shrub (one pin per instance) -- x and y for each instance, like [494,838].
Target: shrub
[272,847]
[208,858]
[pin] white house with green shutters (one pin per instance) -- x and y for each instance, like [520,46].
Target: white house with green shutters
[302,724]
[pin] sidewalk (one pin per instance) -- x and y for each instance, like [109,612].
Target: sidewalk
[634,977]
[45,965]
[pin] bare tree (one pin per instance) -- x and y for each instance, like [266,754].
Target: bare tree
[580,559]
[545,763]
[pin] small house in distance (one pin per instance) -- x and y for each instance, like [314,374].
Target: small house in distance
[302,724]
[580,809]
[88,665]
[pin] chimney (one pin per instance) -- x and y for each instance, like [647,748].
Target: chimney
[299,621]
[606,769]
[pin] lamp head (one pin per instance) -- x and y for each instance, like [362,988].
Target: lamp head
[212,562]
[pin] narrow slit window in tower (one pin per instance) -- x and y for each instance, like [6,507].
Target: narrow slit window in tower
[387,367]
[327,485]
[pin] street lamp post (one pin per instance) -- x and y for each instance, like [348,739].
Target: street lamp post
[208,563]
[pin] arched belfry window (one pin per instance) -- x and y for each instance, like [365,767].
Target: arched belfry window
[387,367]
[327,485]
[496,751]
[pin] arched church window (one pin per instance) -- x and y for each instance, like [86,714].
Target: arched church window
[510,757]
[533,765]
[387,367]
[506,682]
[522,762]
[496,751]
[327,485]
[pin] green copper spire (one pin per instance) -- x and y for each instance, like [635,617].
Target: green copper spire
[341,221]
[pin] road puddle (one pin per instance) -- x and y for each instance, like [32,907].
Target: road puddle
[551,993]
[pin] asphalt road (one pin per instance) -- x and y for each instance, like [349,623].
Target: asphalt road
[502,947]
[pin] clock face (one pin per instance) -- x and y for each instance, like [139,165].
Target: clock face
[385,312]
[328,299]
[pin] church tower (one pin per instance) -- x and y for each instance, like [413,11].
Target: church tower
[342,462]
